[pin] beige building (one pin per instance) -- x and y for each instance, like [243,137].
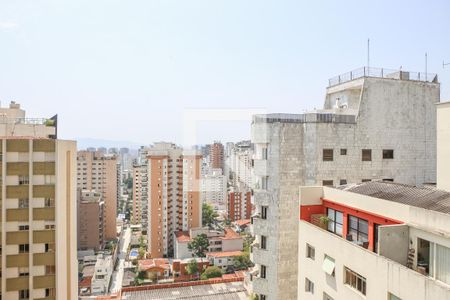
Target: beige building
[98,172]
[373,240]
[38,211]
[443,145]
[174,195]
[216,155]
[90,220]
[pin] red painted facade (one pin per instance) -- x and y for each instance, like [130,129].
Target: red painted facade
[307,210]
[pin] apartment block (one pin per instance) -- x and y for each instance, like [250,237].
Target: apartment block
[443,145]
[239,205]
[376,124]
[213,189]
[373,240]
[238,164]
[174,195]
[90,220]
[139,214]
[97,171]
[216,155]
[38,209]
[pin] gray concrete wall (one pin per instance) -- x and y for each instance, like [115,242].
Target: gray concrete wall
[393,242]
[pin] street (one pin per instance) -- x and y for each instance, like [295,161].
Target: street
[117,275]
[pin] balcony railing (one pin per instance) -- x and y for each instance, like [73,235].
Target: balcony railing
[382,73]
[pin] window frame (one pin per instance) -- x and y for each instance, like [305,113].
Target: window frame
[263,272]
[351,280]
[309,286]
[310,252]
[327,154]
[388,153]
[263,242]
[366,155]
[264,210]
[343,151]
[357,229]
[334,222]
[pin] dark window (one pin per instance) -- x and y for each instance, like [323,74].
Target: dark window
[335,221]
[388,179]
[24,227]
[358,230]
[388,154]
[264,212]
[263,271]
[366,180]
[309,286]
[263,242]
[310,252]
[24,294]
[343,182]
[327,154]
[327,182]
[24,248]
[366,155]
[343,151]
[262,297]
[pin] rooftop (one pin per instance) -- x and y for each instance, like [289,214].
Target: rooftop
[224,253]
[382,73]
[423,197]
[221,291]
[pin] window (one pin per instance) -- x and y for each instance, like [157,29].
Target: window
[49,202]
[24,271]
[50,292]
[24,248]
[264,153]
[24,180]
[327,182]
[49,270]
[326,296]
[366,180]
[263,242]
[49,247]
[366,155]
[263,271]
[335,221]
[24,294]
[328,265]
[262,297]
[355,281]
[264,182]
[309,286]
[310,252]
[23,227]
[358,230]
[388,179]
[327,154]
[23,203]
[343,151]
[393,297]
[388,154]
[50,227]
[264,212]
[343,182]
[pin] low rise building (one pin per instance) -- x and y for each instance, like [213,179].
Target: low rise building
[179,268]
[223,259]
[374,240]
[219,240]
[102,274]
[155,269]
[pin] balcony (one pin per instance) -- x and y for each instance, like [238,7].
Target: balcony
[260,226]
[261,256]
[17,284]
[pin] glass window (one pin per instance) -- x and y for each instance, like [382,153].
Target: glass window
[327,182]
[263,271]
[388,154]
[393,297]
[327,154]
[343,151]
[310,251]
[309,286]
[326,296]
[358,230]
[366,155]
[263,242]
[264,212]
[336,221]
[355,281]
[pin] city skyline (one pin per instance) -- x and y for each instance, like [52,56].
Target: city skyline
[151,64]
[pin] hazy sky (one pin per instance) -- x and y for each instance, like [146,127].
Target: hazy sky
[129,70]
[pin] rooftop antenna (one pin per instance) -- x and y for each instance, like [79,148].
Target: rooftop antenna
[368,54]
[426,66]
[445,64]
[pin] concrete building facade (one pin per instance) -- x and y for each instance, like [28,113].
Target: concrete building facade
[375,124]
[443,145]
[90,220]
[216,155]
[38,209]
[213,188]
[174,195]
[380,240]
[98,172]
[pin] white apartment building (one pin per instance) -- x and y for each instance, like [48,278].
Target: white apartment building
[238,164]
[104,268]
[213,189]
[375,124]
[374,240]
[38,209]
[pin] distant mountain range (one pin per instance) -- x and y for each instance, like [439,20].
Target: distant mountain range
[83,143]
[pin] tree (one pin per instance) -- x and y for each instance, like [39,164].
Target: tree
[242,262]
[211,272]
[192,267]
[141,253]
[199,245]
[209,216]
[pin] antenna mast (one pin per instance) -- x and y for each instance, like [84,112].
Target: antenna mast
[368,54]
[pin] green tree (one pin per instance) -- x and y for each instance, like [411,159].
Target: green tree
[192,267]
[209,216]
[211,272]
[242,262]
[199,245]
[141,253]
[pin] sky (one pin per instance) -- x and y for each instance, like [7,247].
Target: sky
[129,70]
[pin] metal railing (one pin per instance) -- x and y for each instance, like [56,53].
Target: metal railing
[313,117]
[382,73]
[27,121]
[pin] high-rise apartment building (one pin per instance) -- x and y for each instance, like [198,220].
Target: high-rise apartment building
[238,164]
[98,172]
[90,220]
[213,189]
[38,210]
[174,195]
[375,124]
[216,157]
[239,205]
[139,214]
